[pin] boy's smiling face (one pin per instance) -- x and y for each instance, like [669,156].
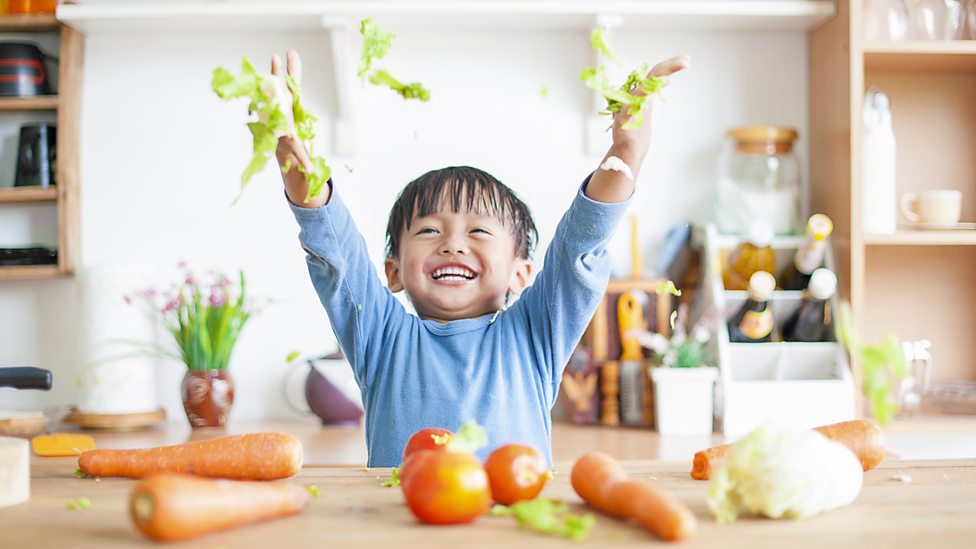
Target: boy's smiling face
[456,265]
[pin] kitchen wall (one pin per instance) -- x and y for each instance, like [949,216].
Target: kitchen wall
[161,159]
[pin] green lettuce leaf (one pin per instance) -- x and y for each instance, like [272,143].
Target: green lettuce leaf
[267,103]
[394,479]
[667,287]
[377,41]
[469,438]
[414,90]
[625,95]
[600,44]
[548,516]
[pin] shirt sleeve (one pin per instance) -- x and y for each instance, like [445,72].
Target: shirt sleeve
[359,306]
[561,301]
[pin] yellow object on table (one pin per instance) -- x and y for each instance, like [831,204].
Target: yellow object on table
[62,444]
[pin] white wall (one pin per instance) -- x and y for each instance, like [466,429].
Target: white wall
[161,158]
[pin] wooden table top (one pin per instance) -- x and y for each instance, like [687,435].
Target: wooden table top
[935,509]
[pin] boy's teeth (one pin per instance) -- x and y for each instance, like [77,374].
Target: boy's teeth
[453,273]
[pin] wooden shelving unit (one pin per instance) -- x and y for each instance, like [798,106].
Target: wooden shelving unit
[956,55]
[911,284]
[28,23]
[43,103]
[30,272]
[28,194]
[67,105]
[922,238]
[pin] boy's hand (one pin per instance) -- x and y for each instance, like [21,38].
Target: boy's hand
[629,145]
[291,152]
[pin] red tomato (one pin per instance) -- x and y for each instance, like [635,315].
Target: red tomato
[424,440]
[445,487]
[516,472]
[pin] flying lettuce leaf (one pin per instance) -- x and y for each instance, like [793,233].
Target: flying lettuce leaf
[377,41]
[415,90]
[276,118]
[600,44]
[883,366]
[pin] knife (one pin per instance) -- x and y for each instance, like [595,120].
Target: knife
[26,378]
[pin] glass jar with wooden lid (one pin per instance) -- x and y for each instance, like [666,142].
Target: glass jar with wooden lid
[759,179]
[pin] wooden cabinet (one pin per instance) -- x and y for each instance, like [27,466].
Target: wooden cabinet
[913,284]
[66,104]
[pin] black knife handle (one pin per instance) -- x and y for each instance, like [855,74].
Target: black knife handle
[25,378]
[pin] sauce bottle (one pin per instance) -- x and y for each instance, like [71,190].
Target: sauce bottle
[753,323]
[812,321]
[751,255]
[809,256]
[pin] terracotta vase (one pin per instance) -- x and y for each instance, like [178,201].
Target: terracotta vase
[207,397]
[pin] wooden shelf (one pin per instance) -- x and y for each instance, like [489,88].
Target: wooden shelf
[28,23]
[30,272]
[737,14]
[954,55]
[28,194]
[39,103]
[923,238]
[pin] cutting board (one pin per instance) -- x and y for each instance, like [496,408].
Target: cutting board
[935,509]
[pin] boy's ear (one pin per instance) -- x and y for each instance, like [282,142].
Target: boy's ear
[521,273]
[393,274]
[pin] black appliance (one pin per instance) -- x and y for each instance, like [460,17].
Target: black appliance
[22,70]
[36,155]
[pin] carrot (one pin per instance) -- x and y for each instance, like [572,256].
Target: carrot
[603,484]
[256,456]
[862,436]
[172,507]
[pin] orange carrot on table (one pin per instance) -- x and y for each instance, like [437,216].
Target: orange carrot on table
[862,436]
[171,507]
[603,483]
[254,456]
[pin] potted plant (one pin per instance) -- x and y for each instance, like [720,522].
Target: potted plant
[205,316]
[683,380]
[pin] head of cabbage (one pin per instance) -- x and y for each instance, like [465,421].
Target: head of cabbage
[781,473]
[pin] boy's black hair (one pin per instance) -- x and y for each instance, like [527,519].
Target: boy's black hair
[466,187]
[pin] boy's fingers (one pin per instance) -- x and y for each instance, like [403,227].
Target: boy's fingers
[301,156]
[671,66]
[294,66]
[275,65]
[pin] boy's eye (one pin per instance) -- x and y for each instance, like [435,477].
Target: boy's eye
[427,230]
[481,230]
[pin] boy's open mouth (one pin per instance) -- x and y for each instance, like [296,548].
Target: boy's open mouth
[453,273]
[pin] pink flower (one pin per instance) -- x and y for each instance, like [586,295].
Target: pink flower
[217,298]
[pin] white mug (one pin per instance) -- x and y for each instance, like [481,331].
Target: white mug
[942,207]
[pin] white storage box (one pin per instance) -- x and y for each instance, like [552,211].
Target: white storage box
[798,385]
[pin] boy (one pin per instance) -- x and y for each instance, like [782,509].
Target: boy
[459,244]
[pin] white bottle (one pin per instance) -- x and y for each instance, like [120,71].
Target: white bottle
[878,195]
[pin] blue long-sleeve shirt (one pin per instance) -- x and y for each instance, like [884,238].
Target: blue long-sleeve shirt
[502,370]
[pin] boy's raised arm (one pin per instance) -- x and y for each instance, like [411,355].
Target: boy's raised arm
[629,145]
[292,152]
